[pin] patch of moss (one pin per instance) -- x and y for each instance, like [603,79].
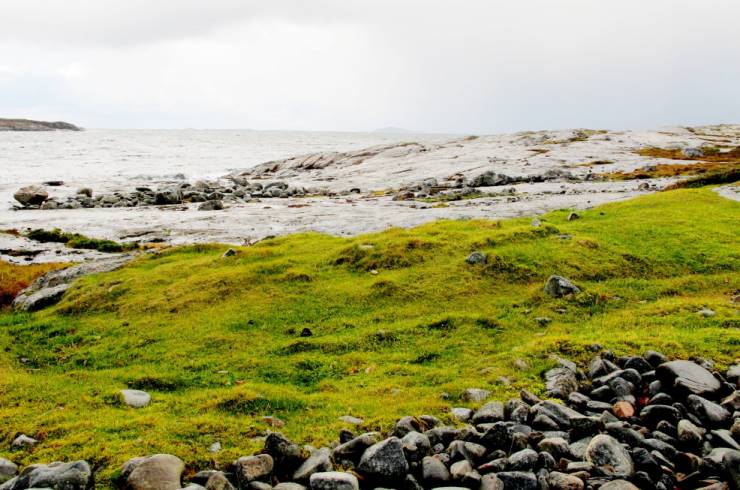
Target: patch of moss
[75,240]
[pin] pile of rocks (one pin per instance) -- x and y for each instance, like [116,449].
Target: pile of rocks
[237,190]
[627,423]
[460,186]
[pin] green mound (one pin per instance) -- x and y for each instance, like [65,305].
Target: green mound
[397,319]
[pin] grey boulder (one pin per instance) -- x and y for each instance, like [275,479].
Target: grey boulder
[31,195]
[319,462]
[8,470]
[158,472]
[384,460]
[57,476]
[558,286]
[610,456]
[334,480]
[688,377]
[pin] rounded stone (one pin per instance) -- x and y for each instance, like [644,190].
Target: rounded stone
[610,456]
[136,398]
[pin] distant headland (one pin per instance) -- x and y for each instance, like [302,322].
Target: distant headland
[29,125]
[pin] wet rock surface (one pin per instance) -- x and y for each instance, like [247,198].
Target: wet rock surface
[670,439]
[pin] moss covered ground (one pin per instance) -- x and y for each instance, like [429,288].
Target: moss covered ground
[397,318]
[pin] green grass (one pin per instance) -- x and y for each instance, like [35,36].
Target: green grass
[217,343]
[75,240]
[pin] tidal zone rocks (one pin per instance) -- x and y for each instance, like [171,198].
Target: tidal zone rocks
[639,422]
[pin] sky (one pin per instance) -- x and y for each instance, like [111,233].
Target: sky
[454,66]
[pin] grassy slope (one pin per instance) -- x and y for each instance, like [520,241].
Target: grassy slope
[216,340]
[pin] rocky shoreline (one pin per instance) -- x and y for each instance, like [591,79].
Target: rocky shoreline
[630,422]
[345,193]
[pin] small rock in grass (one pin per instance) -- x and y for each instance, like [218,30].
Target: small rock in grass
[229,253]
[23,441]
[273,421]
[349,419]
[476,394]
[476,258]
[573,217]
[136,398]
[706,312]
[521,364]
[558,286]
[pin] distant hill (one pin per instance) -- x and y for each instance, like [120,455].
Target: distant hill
[29,125]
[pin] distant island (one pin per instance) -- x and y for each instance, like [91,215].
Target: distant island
[29,125]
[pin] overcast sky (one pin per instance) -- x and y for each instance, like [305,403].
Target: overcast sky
[480,66]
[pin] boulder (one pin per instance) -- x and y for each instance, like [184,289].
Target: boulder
[687,377]
[8,470]
[564,481]
[384,461]
[31,195]
[518,480]
[285,453]
[610,456]
[76,475]
[334,480]
[558,286]
[252,468]
[560,382]
[434,472]
[218,481]
[40,299]
[489,413]
[213,205]
[135,398]
[170,195]
[711,414]
[158,472]
[618,485]
[318,462]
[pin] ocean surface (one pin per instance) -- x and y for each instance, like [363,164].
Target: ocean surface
[117,159]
